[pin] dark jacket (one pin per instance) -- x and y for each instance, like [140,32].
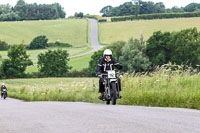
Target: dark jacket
[3,87]
[103,65]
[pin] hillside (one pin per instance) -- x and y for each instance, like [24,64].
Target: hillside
[69,31]
[115,31]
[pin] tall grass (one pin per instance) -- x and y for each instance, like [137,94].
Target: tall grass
[54,89]
[163,88]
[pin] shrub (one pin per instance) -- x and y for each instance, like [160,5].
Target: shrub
[94,60]
[181,47]
[133,57]
[159,48]
[39,42]
[59,44]
[3,45]
[156,16]
[15,66]
[82,73]
[54,63]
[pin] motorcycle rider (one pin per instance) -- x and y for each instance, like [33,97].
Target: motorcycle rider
[104,64]
[3,87]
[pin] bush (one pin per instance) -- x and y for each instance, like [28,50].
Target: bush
[15,66]
[159,48]
[181,47]
[186,47]
[94,60]
[39,42]
[102,20]
[59,44]
[54,63]
[83,73]
[116,48]
[3,45]
[156,16]
[133,57]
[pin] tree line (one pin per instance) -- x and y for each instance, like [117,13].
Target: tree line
[145,7]
[24,11]
[137,55]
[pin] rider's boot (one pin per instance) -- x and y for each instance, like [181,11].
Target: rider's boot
[120,96]
[101,96]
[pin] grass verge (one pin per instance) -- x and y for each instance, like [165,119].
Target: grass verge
[161,89]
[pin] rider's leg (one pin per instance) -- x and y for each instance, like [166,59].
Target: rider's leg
[119,86]
[101,88]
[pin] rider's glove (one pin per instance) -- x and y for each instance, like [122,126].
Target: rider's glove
[99,75]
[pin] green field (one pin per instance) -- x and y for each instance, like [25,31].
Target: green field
[33,53]
[72,31]
[116,31]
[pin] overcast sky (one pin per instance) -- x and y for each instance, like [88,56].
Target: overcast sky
[94,6]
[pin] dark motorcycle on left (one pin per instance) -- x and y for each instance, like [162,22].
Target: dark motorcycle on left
[4,93]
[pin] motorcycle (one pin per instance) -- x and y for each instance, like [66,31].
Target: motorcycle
[110,82]
[4,93]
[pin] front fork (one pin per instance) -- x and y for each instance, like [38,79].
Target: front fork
[107,87]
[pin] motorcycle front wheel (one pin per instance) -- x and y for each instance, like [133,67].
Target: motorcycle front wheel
[113,93]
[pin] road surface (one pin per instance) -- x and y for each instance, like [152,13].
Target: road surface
[69,117]
[94,39]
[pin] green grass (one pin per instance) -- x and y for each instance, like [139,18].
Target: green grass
[76,63]
[163,88]
[72,31]
[34,53]
[80,62]
[54,89]
[116,31]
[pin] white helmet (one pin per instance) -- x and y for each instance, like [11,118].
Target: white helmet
[3,84]
[107,52]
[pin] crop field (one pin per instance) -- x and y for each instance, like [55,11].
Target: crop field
[163,88]
[116,31]
[72,31]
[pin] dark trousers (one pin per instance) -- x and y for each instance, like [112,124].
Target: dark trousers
[102,88]
[2,94]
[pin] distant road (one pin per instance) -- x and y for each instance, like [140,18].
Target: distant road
[69,117]
[94,38]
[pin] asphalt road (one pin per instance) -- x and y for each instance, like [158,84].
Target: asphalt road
[94,38]
[69,117]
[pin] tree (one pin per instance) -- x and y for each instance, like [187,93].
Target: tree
[15,66]
[116,48]
[20,7]
[78,15]
[186,47]
[133,57]
[54,63]
[3,45]
[60,10]
[105,11]
[39,42]
[159,48]
[192,7]
[4,9]
[94,60]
